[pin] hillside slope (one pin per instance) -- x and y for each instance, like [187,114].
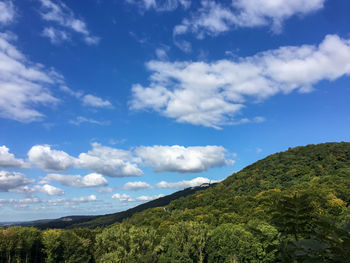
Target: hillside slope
[321,171]
[109,219]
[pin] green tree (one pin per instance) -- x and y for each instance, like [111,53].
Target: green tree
[31,243]
[52,246]
[234,243]
[12,241]
[74,248]
[124,243]
[186,242]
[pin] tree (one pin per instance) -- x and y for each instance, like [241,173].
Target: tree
[31,243]
[52,245]
[234,243]
[124,243]
[186,242]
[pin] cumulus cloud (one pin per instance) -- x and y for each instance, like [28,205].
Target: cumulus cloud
[48,189]
[128,198]
[85,199]
[160,5]
[183,159]
[123,197]
[13,180]
[212,94]
[60,14]
[44,189]
[7,12]
[213,18]
[109,161]
[184,184]
[90,180]
[47,159]
[93,101]
[8,160]
[134,186]
[113,162]
[24,85]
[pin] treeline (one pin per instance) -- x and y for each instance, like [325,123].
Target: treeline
[295,234]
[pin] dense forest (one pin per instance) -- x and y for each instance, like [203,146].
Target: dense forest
[289,207]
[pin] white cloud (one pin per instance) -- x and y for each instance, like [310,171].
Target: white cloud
[123,197]
[134,186]
[56,36]
[63,16]
[79,120]
[49,160]
[90,180]
[109,161]
[160,5]
[48,189]
[128,198]
[212,94]
[25,202]
[93,101]
[184,184]
[13,180]
[94,179]
[44,189]
[113,162]
[183,159]
[149,198]
[70,201]
[213,18]
[23,84]
[7,12]
[84,199]
[87,100]
[8,160]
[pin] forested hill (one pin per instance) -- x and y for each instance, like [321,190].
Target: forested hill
[321,171]
[289,207]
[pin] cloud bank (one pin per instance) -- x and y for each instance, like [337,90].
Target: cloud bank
[183,159]
[213,94]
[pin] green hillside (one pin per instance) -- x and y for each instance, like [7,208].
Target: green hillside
[110,219]
[290,207]
[320,171]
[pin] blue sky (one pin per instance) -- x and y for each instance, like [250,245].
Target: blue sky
[108,104]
